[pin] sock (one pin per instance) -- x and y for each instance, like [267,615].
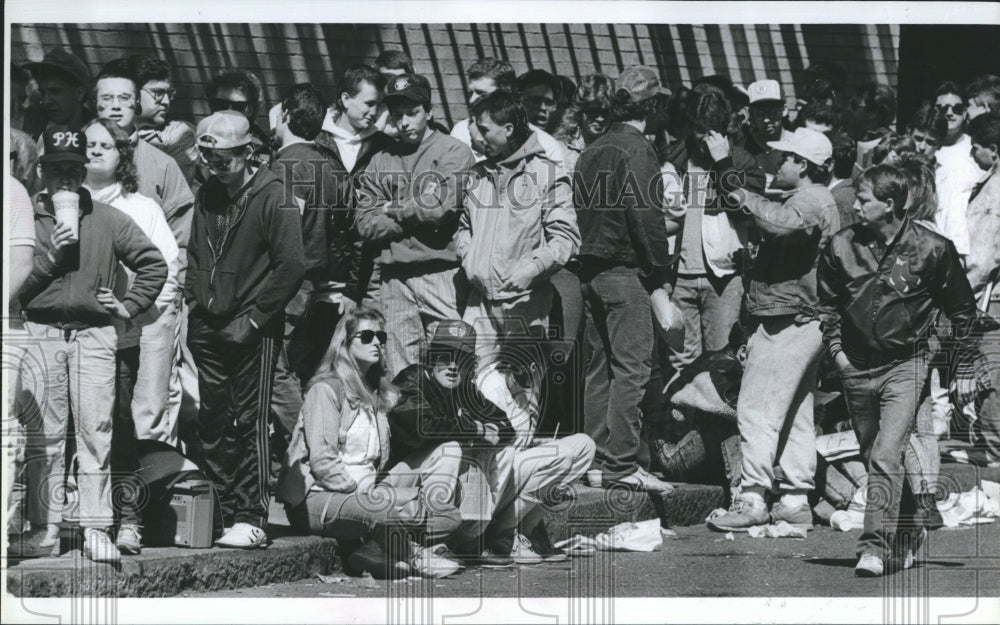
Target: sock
[794,500]
[752,497]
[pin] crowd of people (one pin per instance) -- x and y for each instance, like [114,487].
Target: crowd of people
[382,321]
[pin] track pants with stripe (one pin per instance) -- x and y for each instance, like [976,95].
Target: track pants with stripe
[235,382]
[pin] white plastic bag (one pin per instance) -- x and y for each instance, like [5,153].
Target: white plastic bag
[670,319]
[642,536]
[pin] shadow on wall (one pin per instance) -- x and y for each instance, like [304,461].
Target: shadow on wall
[286,54]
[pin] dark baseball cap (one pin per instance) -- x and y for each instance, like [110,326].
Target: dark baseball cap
[408,87]
[641,82]
[64,145]
[59,61]
[454,334]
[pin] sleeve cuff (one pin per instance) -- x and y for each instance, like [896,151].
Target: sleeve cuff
[131,307]
[258,318]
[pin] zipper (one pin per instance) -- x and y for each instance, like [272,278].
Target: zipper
[225,239]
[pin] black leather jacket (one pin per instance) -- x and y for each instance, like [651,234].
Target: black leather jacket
[878,302]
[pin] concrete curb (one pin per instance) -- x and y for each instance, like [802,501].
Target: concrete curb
[165,572]
[169,571]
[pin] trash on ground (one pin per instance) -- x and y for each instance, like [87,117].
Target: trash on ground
[577,546]
[331,579]
[779,530]
[729,536]
[641,536]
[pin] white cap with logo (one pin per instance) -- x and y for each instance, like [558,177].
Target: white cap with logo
[811,145]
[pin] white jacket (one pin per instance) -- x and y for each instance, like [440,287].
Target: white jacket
[148,215]
[554,150]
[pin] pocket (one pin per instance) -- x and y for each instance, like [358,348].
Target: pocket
[239,331]
[218,291]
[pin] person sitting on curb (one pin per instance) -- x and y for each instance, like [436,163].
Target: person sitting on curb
[439,402]
[341,442]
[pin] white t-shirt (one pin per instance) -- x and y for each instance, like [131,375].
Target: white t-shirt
[361,448]
[956,175]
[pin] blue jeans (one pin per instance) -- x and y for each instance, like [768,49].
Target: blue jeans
[711,306]
[620,336]
[883,404]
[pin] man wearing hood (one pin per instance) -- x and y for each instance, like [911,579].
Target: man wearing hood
[518,227]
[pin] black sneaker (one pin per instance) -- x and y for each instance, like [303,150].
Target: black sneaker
[489,560]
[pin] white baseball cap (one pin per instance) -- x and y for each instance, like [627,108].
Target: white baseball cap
[764,90]
[811,145]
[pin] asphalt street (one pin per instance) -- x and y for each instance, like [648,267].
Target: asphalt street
[963,562]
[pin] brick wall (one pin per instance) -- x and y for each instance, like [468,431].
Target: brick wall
[285,54]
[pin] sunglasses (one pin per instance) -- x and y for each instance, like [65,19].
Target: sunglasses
[215,158]
[957,108]
[367,336]
[219,104]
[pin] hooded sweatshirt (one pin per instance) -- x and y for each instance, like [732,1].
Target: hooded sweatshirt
[516,211]
[408,200]
[258,267]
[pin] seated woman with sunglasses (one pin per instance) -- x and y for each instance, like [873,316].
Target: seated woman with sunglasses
[329,479]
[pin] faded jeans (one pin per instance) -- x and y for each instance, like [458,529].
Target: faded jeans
[775,406]
[883,404]
[155,402]
[408,503]
[711,306]
[620,336]
[411,301]
[66,371]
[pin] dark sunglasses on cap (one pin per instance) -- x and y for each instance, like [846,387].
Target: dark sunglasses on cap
[220,104]
[958,108]
[367,336]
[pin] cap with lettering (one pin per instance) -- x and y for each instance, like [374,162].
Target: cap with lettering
[641,82]
[63,145]
[61,62]
[811,145]
[224,129]
[455,334]
[764,91]
[408,87]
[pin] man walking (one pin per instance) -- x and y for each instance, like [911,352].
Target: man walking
[881,284]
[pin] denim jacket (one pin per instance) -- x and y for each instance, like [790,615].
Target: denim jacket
[618,194]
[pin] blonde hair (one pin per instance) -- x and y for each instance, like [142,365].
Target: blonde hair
[374,388]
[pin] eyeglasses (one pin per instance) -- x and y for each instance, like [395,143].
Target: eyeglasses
[220,104]
[367,336]
[124,99]
[159,94]
[957,108]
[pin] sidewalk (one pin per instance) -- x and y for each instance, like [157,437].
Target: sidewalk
[165,572]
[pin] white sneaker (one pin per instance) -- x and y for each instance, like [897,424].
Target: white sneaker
[522,551]
[97,546]
[429,564]
[643,480]
[869,566]
[243,536]
[40,542]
